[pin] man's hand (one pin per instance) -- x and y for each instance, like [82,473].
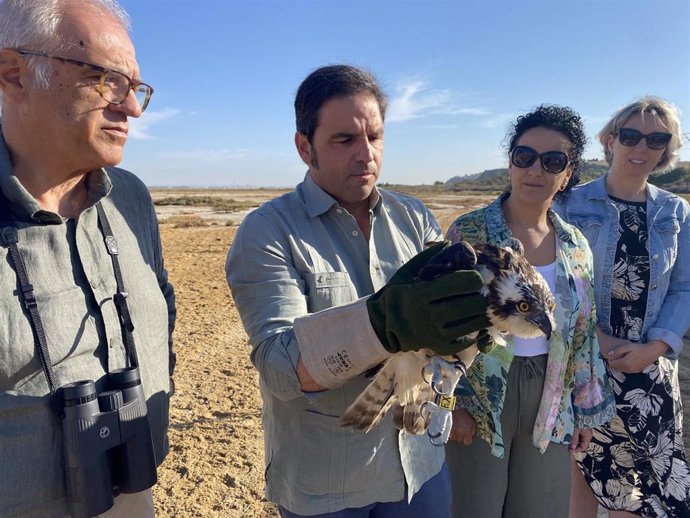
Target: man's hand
[636,357]
[409,313]
[464,427]
[581,439]
[306,382]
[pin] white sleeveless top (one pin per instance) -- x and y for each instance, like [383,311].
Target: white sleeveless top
[538,345]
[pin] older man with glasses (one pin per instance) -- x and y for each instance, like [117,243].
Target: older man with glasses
[83,290]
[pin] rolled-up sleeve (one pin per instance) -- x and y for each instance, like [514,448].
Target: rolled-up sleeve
[269,294]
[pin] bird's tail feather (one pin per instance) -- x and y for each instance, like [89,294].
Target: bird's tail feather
[399,384]
[374,401]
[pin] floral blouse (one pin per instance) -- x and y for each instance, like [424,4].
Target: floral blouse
[576,392]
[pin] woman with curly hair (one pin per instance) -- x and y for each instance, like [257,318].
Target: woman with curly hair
[640,236]
[533,402]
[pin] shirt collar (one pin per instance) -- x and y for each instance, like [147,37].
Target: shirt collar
[564,232]
[657,195]
[495,220]
[25,207]
[319,201]
[598,191]
[496,223]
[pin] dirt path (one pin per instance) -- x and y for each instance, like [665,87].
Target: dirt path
[215,467]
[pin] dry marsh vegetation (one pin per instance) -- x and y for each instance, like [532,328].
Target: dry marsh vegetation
[217,203]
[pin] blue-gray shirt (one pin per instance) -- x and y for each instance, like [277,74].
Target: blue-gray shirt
[667,317]
[72,275]
[298,254]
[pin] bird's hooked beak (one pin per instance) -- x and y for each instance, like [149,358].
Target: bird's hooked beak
[543,322]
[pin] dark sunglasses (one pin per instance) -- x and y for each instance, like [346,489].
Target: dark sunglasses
[553,162]
[630,137]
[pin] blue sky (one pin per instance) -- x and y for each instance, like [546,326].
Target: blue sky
[457,72]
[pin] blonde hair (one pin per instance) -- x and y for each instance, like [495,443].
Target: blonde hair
[663,112]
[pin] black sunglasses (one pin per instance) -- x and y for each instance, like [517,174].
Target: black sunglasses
[553,162]
[630,137]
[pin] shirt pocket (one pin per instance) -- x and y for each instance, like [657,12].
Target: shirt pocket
[327,289]
[589,225]
[322,442]
[667,229]
[71,337]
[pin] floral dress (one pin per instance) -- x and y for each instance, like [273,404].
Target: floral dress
[637,462]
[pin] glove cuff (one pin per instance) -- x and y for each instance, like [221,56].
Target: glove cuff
[338,344]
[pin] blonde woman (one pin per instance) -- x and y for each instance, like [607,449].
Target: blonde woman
[640,237]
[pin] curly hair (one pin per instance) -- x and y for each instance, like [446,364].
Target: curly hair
[562,119]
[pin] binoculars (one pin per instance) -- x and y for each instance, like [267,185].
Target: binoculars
[107,442]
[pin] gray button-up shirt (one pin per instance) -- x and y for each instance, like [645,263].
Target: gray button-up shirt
[298,254]
[74,283]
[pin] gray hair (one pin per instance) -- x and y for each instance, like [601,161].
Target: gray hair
[33,24]
[663,112]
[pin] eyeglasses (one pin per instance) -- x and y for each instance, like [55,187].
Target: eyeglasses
[553,162]
[630,137]
[113,86]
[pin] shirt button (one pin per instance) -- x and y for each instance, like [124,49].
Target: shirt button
[339,211]
[355,233]
[652,287]
[322,278]
[94,284]
[655,256]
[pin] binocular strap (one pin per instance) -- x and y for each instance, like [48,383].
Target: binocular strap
[120,298]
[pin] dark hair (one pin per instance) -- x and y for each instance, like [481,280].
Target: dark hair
[562,119]
[325,83]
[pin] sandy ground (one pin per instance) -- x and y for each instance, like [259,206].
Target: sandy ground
[215,467]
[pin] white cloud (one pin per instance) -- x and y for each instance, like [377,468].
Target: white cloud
[205,155]
[139,128]
[499,121]
[414,99]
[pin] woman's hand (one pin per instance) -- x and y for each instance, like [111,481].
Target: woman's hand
[608,343]
[581,439]
[636,357]
[464,427]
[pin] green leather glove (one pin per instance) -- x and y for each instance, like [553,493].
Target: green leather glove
[410,314]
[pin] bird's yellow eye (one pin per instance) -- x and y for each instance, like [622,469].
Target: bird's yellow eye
[523,306]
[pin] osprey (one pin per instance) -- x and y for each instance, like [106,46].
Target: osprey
[519,302]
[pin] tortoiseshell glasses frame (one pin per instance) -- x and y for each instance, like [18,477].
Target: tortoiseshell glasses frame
[113,86]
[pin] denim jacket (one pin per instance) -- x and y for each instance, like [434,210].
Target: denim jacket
[576,393]
[668,218]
